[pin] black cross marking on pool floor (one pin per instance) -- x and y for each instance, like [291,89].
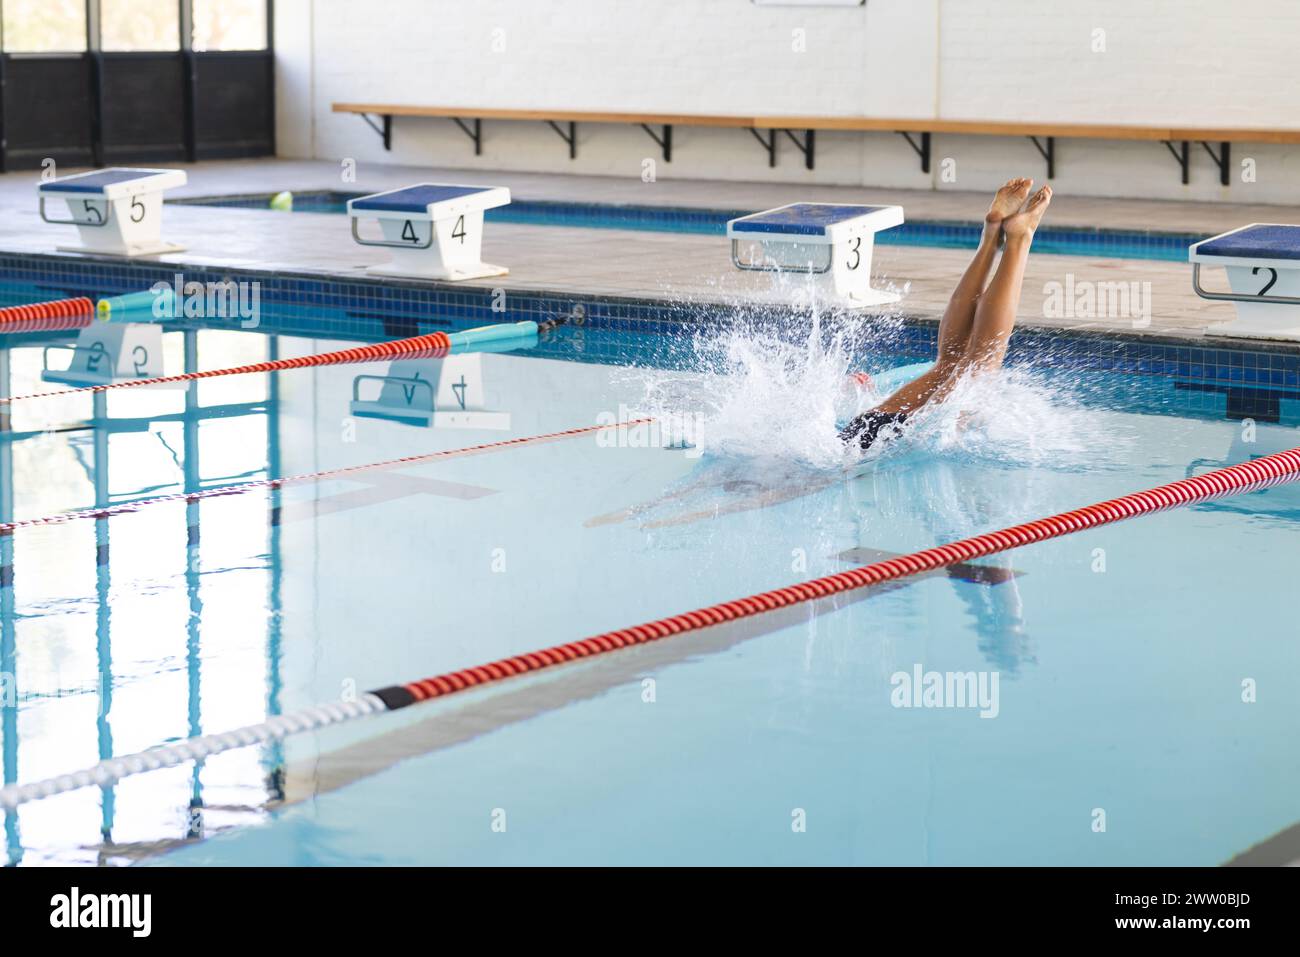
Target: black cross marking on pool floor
[962,571]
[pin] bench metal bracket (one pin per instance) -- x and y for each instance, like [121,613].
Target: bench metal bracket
[807,145]
[921,149]
[665,142]
[1181,155]
[571,137]
[476,134]
[385,131]
[1221,159]
[768,143]
[1048,152]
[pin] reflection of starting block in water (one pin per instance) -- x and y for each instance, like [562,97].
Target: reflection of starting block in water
[116,210]
[830,241]
[435,231]
[1263,265]
[443,393]
[111,352]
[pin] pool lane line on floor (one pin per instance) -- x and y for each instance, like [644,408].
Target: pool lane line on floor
[126,508]
[1250,476]
[433,345]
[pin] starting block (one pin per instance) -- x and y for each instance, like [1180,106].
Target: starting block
[828,240]
[1263,265]
[116,210]
[108,352]
[442,393]
[434,230]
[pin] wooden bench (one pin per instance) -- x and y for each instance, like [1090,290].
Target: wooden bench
[801,130]
[464,116]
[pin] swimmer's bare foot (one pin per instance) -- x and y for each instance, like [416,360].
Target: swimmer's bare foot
[1006,202]
[1022,224]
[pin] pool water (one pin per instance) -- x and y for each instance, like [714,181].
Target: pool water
[1065,241]
[1114,663]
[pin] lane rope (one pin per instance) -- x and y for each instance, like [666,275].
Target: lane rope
[1234,479]
[54,316]
[238,489]
[433,345]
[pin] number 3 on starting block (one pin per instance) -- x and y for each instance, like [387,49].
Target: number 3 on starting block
[832,242]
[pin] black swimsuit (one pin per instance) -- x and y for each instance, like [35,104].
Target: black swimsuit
[867,427]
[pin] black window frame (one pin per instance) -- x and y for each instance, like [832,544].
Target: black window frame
[209,104]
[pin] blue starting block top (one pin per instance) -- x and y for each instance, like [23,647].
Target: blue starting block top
[810,219]
[821,221]
[100,180]
[1271,241]
[419,199]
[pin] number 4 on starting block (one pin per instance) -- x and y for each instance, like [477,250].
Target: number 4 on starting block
[443,393]
[435,230]
[117,211]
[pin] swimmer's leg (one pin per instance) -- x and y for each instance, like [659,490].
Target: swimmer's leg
[995,317]
[959,318]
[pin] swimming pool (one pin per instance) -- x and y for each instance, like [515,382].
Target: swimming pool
[1120,653]
[1109,243]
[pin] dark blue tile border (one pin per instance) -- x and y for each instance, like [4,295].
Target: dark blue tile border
[371,310]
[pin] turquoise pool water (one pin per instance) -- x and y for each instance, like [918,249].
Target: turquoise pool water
[1107,243]
[1121,655]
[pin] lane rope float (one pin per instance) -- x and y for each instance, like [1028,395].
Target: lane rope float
[54,316]
[126,508]
[1244,477]
[434,345]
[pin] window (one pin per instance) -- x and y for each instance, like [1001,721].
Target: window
[44,26]
[126,25]
[229,25]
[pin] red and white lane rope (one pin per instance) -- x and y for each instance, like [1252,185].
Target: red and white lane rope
[1246,477]
[434,345]
[224,490]
[48,316]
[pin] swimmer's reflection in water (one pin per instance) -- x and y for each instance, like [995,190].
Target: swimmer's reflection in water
[928,490]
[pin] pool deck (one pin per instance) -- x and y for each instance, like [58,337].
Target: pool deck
[674,267]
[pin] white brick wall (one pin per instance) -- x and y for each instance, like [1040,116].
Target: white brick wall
[1188,62]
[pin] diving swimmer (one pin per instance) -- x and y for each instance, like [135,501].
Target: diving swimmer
[978,322]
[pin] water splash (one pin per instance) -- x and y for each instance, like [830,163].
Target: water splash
[765,392]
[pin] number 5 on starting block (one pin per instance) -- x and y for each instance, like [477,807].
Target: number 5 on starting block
[117,211]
